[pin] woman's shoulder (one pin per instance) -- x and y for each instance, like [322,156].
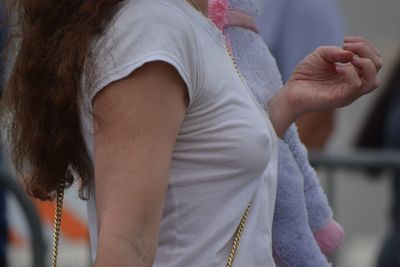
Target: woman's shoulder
[144,26]
[141,25]
[153,13]
[143,31]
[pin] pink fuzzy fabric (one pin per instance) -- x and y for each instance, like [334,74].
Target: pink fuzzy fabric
[329,238]
[217,12]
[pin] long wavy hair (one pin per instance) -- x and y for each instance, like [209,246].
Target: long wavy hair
[40,108]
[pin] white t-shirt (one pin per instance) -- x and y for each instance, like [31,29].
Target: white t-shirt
[225,154]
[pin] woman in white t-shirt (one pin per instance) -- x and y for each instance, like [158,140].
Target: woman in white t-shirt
[141,100]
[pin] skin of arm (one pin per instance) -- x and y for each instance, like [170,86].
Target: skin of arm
[330,77]
[137,121]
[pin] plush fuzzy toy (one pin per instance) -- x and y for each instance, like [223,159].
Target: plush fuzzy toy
[303,225]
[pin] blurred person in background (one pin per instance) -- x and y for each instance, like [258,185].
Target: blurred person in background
[382,131]
[293,29]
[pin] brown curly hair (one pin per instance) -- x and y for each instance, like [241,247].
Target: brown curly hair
[40,106]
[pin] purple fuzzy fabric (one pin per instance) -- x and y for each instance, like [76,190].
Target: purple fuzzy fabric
[319,212]
[293,241]
[301,206]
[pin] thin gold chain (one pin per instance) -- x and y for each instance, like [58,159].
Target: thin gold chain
[57,222]
[230,52]
[238,236]
[243,220]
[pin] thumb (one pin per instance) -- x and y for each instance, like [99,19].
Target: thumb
[334,54]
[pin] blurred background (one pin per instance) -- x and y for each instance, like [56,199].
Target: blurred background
[361,203]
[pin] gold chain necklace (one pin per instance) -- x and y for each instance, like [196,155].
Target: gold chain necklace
[243,220]
[238,236]
[57,221]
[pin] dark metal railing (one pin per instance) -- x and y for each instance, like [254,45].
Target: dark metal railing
[38,245]
[357,160]
[360,160]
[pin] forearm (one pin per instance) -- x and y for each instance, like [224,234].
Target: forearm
[117,250]
[280,112]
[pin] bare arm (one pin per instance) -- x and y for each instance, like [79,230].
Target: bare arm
[139,119]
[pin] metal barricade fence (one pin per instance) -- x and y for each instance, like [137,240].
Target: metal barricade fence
[38,244]
[358,160]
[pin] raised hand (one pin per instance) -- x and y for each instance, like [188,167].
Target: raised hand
[327,78]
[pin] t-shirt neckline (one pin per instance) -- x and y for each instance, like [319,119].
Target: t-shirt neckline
[205,22]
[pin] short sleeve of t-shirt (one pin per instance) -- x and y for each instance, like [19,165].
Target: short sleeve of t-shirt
[144,31]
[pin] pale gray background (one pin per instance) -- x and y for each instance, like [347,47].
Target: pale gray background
[362,204]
